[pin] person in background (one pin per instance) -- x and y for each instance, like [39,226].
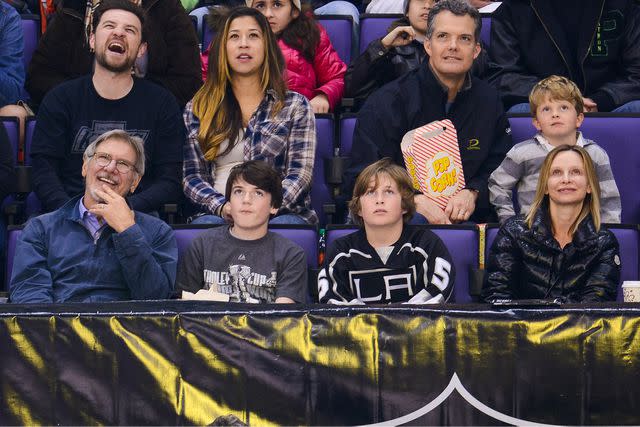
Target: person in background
[557,110]
[391,56]
[11,66]
[596,44]
[395,54]
[245,112]
[7,181]
[313,67]
[559,250]
[438,89]
[76,112]
[386,261]
[64,53]
[96,248]
[245,260]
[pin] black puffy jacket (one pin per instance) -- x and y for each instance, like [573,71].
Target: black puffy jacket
[529,43]
[528,263]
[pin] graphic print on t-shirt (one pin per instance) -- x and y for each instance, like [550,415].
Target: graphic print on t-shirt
[383,285]
[86,135]
[241,284]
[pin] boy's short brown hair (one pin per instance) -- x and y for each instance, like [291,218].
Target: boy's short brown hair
[559,89]
[398,174]
[260,174]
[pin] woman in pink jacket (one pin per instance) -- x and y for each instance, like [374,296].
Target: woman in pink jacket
[314,69]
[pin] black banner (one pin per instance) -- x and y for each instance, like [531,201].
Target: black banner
[175,362]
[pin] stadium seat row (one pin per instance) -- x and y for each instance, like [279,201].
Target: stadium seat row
[616,133]
[339,29]
[463,242]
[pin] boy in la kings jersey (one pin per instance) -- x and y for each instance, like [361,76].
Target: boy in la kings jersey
[386,261]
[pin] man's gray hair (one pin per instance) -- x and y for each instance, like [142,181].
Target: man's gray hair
[134,141]
[458,8]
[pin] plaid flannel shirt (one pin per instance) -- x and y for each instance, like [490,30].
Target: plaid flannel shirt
[286,141]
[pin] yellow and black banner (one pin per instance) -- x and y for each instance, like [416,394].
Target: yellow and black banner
[175,363]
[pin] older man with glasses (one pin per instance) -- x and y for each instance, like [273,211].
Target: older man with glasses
[96,248]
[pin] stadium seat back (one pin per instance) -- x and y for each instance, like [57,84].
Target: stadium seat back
[11,126]
[30,127]
[339,30]
[320,191]
[198,15]
[374,26]
[305,236]
[347,126]
[485,31]
[31,35]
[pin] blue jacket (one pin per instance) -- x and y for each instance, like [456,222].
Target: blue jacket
[11,48]
[57,260]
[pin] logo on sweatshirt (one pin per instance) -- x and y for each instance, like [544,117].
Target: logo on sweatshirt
[86,135]
[474,144]
[241,257]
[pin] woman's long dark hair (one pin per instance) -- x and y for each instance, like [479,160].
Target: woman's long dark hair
[215,104]
[302,34]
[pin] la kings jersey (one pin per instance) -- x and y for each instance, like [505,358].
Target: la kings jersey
[418,270]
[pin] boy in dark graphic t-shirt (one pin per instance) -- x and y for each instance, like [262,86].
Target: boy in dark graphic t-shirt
[244,260]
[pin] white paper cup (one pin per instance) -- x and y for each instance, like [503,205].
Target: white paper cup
[631,290]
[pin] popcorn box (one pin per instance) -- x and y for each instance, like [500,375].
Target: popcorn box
[432,158]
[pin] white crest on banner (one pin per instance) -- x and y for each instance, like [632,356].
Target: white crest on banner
[455,384]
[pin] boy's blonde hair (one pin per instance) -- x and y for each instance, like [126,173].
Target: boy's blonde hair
[398,174]
[558,88]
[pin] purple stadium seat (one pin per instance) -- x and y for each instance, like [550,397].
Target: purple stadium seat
[628,238]
[461,241]
[186,233]
[374,26]
[12,239]
[198,16]
[31,34]
[32,205]
[338,28]
[485,31]
[347,126]
[320,191]
[30,126]
[615,133]
[306,236]
[207,36]
[11,126]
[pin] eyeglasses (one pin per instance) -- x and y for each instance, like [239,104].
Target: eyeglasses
[103,160]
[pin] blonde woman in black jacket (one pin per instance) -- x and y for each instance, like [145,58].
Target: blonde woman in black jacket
[558,250]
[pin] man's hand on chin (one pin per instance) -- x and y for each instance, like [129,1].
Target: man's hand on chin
[113,209]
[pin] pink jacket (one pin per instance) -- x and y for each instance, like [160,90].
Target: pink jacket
[325,75]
